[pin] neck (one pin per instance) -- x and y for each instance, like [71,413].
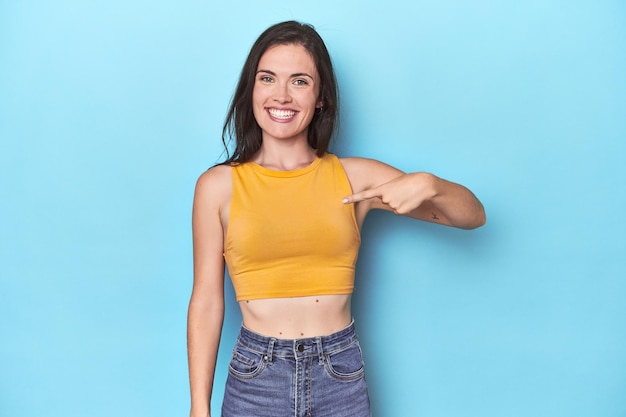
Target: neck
[284,155]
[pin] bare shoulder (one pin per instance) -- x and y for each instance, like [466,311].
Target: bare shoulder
[365,173]
[215,185]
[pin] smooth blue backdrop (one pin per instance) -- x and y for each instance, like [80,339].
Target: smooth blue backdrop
[109,110]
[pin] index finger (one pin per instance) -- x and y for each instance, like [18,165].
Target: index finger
[363,195]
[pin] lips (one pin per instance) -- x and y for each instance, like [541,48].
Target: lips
[281,114]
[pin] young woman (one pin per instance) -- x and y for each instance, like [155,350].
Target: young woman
[285,215]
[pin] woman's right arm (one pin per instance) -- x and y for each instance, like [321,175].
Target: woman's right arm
[206,307]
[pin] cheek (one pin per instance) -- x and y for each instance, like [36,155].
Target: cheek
[256,96]
[257,103]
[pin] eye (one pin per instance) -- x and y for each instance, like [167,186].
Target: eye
[266,79]
[300,82]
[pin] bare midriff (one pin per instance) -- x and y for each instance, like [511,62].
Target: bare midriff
[297,317]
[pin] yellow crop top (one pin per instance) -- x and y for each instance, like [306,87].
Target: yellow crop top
[289,234]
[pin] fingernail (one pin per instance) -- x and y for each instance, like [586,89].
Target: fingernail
[345,201]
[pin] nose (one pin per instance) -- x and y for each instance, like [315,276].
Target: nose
[281,93]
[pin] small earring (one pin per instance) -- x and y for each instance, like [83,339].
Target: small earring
[318,110]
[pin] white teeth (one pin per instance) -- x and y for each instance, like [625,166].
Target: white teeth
[281,114]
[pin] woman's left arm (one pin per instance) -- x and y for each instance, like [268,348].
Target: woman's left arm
[419,195]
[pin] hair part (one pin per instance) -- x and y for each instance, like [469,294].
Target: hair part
[240,122]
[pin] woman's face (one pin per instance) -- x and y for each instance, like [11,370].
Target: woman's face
[285,94]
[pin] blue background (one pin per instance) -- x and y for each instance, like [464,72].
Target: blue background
[109,111]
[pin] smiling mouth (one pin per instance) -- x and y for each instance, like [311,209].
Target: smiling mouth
[281,114]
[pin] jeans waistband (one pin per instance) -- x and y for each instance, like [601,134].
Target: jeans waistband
[297,348]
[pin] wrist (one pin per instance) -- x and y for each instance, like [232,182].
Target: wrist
[200,411]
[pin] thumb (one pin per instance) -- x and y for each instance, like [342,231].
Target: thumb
[363,195]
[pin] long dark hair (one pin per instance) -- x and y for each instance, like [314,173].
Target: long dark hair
[240,122]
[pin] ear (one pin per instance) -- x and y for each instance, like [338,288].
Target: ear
[319,104]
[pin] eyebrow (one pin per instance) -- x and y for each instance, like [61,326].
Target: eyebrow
[297,74]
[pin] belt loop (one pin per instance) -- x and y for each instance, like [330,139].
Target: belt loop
[270,349]
[320,352]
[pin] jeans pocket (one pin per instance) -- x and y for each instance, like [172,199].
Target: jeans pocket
[246,364]
[346,364]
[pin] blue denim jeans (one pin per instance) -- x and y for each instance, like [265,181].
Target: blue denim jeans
[311,377]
